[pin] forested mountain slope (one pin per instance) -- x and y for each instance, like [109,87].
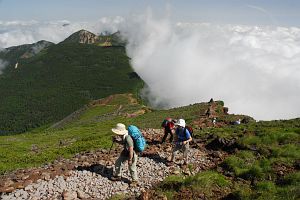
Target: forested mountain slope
[41,87]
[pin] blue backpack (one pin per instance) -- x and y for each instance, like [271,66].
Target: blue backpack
[137,137]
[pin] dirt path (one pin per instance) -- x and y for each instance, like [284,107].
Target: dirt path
[86,176]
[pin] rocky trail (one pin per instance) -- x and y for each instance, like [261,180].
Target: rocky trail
[87,175]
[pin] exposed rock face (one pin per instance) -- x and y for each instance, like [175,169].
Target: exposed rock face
[226,144]
[86,37]
[83,37]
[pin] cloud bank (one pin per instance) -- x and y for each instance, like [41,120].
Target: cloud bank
[14,33]
[254,70]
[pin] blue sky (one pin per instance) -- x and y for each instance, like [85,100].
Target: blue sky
[254,12]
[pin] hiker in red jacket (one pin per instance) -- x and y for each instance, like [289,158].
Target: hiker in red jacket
[168,126]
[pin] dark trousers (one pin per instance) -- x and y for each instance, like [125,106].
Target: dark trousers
[167,132]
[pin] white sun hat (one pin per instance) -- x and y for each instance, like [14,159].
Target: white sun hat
[181,122]
[120,129]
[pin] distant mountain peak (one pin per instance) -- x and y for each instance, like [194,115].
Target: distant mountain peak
[36,48]
[105,39]
[27,50]
[83,37]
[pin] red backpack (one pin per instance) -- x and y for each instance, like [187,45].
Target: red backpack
[165,123]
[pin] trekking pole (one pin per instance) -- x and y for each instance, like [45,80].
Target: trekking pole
[108,155]
[111,147]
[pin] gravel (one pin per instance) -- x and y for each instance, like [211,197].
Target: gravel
[94,183]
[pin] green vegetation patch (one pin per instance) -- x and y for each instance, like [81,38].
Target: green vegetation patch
[206,183]
[90,130]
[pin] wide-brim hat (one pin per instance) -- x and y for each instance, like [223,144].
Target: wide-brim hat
[120,129]
[180,122]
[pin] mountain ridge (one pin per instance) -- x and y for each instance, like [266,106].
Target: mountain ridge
[82,36]
[104,40]
[64,76]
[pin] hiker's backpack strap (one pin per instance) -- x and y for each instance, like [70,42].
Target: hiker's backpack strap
[184,131]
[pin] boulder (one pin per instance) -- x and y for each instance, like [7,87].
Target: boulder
[8,183]
[7,189]
[46,176]
[82,195]
[69,195]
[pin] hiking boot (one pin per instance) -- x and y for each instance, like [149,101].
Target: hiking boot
[134,184]
[116,178]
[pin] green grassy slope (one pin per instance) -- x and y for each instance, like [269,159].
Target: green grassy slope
[59,80]
[13,54]
[263,162]
[92,129]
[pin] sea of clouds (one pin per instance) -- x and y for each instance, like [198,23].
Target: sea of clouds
[254,70]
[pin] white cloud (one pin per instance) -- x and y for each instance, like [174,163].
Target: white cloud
[255,70]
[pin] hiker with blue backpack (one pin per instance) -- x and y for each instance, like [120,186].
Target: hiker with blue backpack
[183,138]
[133,142]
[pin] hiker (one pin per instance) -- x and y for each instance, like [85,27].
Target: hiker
[208,112]
[128,154]
[183,137]
[214,121]
[168,125]
[238,122]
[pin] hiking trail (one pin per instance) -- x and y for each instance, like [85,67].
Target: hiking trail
[86,175]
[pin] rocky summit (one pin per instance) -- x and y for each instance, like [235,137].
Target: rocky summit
[83,37]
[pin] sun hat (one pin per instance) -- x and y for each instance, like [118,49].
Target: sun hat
[181,122]
[120,129]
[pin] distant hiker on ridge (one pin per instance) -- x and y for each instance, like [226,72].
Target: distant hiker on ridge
[133,142]
[237,122]
[183,137]
[208,112]
[214,121]
[168,125]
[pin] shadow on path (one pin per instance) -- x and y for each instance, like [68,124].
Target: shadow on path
[102,170]
[155,156]
[153,142]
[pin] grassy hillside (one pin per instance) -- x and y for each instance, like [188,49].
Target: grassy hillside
[58,80]
[263,161]
[90,130]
